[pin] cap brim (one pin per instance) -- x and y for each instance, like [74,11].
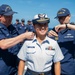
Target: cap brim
[43,21]
[9,13]
[62,15]
[36,21]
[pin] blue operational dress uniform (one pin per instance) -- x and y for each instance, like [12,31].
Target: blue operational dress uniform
[66,41]
[40,57]
[8,57]
[30,28]
[21,29]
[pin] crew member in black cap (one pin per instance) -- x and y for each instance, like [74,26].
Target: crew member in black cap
[29,22]
[29,26]
[23,22]
[40,52]
[17,23]
[9,41]
[66,41]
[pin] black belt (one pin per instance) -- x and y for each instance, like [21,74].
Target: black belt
[38,73]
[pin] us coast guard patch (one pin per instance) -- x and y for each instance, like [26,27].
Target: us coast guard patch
[49,48]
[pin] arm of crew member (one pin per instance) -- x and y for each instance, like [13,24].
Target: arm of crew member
[57,68]
[10,42]
[58,28]
[71,26]
[21,67]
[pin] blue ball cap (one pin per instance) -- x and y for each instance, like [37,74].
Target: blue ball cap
[17,19]
[62,12]
[40,18]
[6,10]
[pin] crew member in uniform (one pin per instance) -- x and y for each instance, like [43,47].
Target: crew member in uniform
[40,52]
[29,26]
[17,23]
[66,41]
[21,27]
[9,41]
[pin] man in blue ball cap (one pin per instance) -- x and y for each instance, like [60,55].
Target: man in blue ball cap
[63,12]
[66,41]
[6,10]
[10,42]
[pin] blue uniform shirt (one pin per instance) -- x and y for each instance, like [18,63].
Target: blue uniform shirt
[30,28]
[8,58]
[66,41]
[40,57]
[21,29]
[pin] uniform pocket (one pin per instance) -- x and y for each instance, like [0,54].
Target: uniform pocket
[50,52]
[31,51]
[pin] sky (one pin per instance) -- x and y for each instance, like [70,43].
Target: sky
[28,8]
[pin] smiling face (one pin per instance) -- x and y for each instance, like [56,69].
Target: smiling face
[41,29]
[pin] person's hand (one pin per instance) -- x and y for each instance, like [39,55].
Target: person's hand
[29,35]
[58,28]
[52,33]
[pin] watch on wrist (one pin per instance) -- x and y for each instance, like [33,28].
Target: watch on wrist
[66,26]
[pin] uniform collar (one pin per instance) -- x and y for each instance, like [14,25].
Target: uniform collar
[44,41]
[3,26]
[63,31]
